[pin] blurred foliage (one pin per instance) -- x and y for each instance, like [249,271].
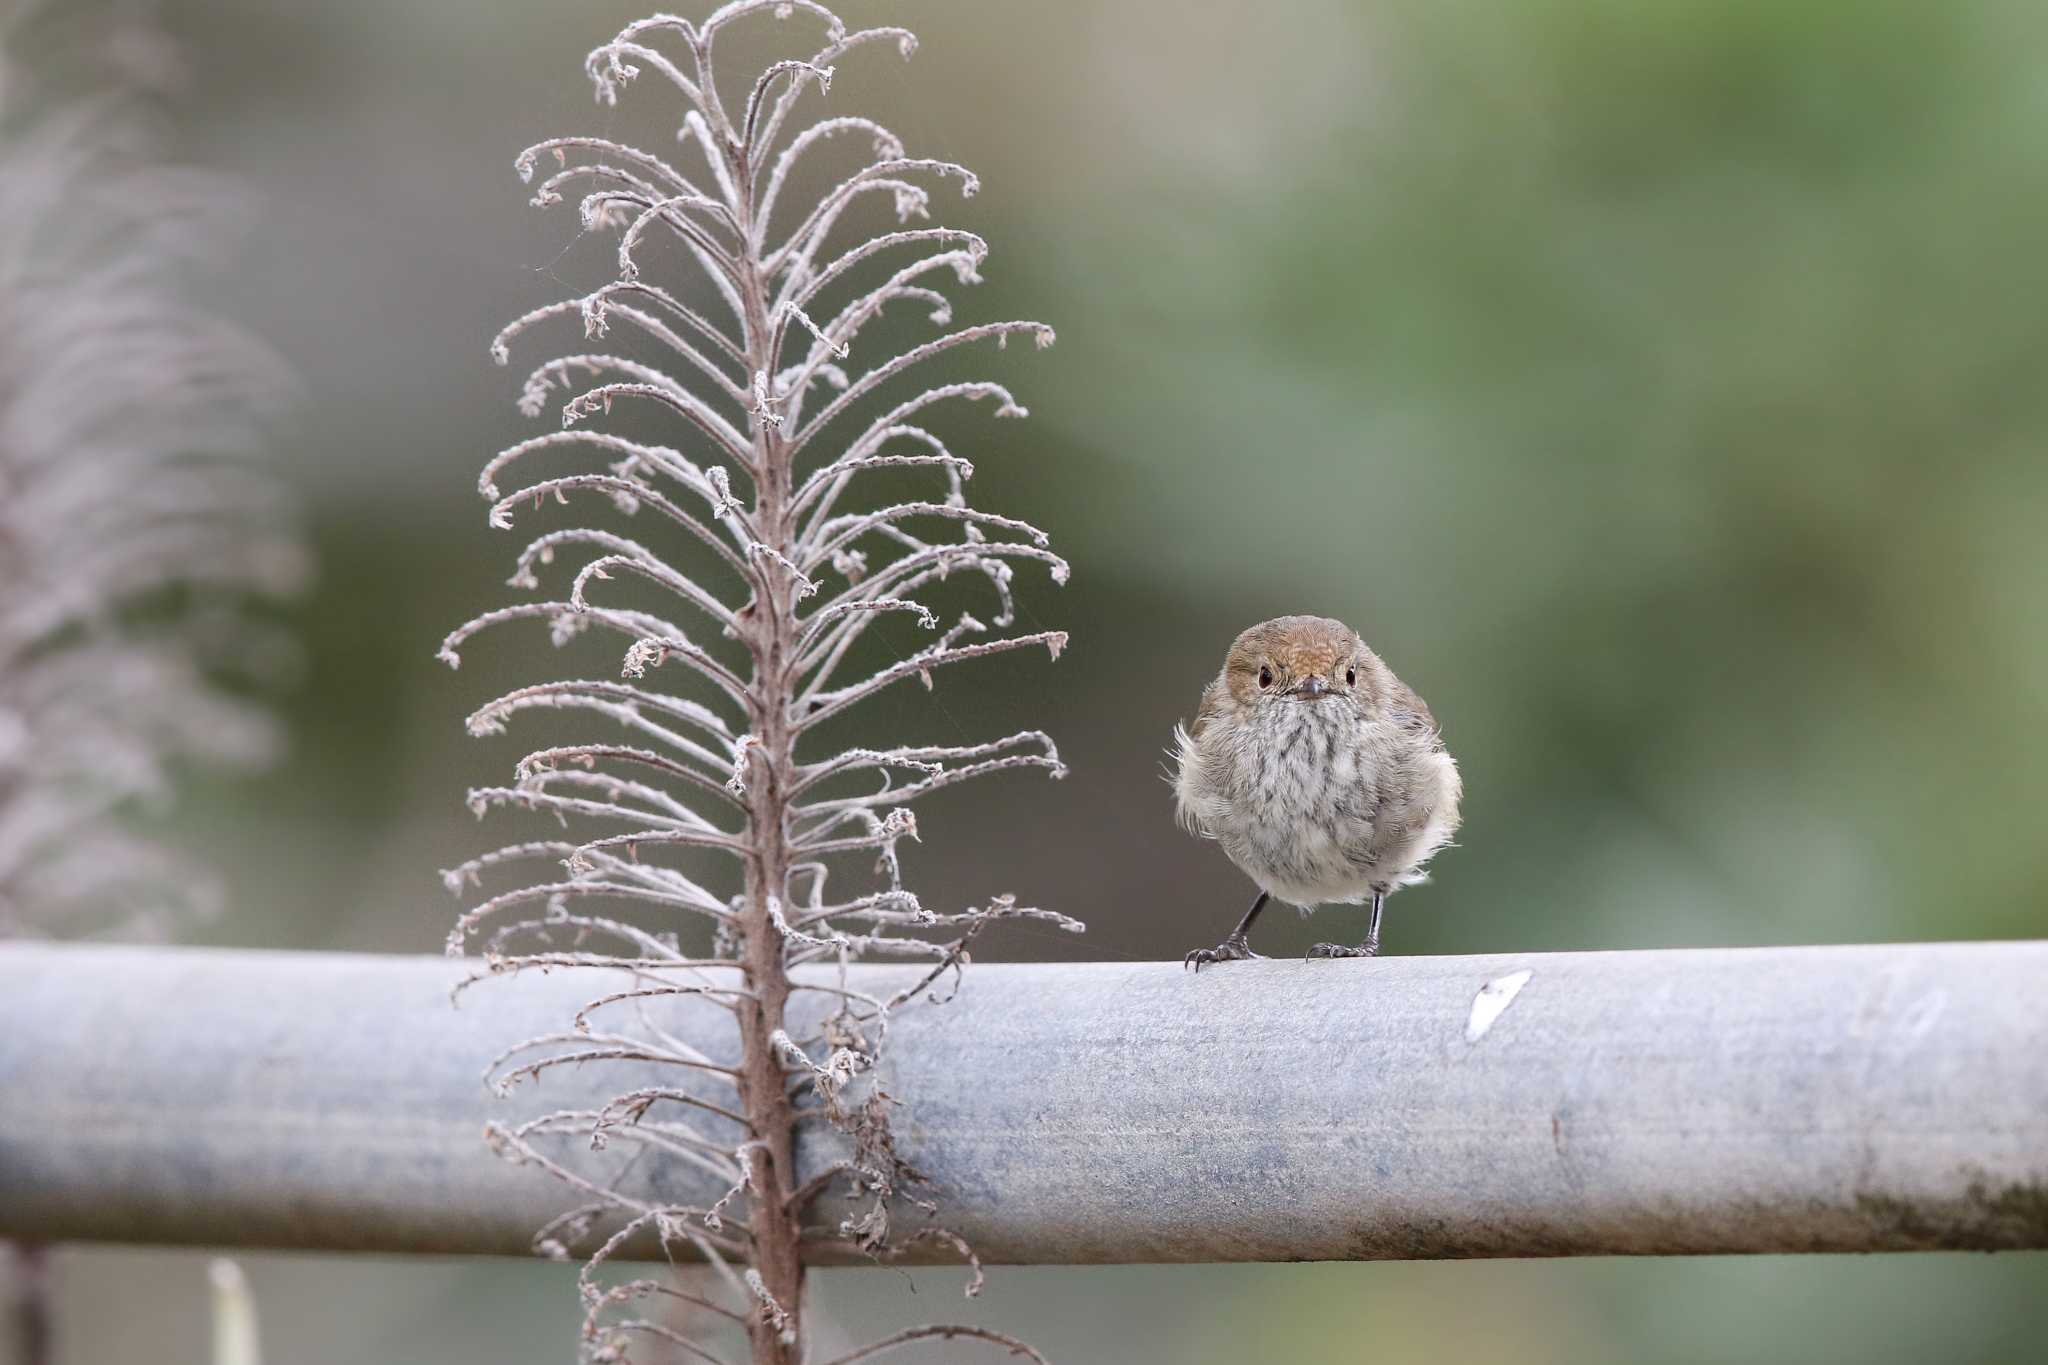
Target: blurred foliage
[1652,382]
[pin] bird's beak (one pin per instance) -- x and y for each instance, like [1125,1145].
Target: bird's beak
[1311,688]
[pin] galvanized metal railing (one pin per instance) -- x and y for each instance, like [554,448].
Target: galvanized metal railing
[1766,1100]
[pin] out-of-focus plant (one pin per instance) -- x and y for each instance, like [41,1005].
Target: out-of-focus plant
[744,283]
[134,525]
[235,1337]
[135,528]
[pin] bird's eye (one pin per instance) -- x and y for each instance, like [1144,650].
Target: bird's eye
[1265,676]
[1351,677]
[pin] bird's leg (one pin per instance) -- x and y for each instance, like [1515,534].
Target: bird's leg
[1236,948]
[1369,948]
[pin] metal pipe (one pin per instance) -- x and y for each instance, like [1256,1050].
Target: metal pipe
[1763,1100]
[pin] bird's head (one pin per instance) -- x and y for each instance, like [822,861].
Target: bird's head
[1292,660]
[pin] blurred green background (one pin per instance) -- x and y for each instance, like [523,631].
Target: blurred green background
[1656,385]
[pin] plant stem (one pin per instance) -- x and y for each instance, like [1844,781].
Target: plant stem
[764,1088]
[30,1319]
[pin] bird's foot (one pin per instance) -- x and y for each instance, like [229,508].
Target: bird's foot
[1369,948]
[1232,949]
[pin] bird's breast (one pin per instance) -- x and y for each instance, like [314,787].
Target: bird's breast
[1305,765]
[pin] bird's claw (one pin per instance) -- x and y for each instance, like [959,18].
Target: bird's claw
[1370,948]
[1230,950]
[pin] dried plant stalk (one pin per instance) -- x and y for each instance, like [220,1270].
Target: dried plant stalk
[739,295]
[134,524]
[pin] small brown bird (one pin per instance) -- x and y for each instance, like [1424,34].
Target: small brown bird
[1320,773]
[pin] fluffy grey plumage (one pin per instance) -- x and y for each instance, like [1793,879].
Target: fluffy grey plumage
[1321,774]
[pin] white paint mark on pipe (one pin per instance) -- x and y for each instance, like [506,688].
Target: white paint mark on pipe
[1494,998]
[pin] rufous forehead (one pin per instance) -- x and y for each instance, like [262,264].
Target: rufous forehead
[1323,655]
[1299,645]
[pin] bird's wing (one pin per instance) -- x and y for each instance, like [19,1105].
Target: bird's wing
[1411,713]
[1212,703]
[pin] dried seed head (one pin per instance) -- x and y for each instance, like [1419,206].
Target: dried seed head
[775,358]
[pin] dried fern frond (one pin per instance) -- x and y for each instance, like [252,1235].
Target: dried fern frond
[732,400]
[134,523]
